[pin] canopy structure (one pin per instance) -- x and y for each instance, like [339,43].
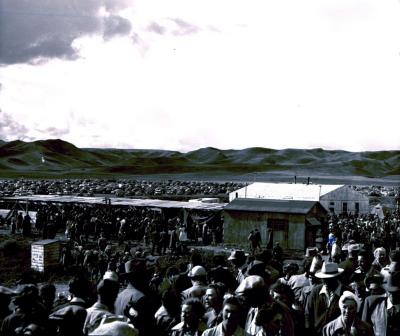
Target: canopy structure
[118,201]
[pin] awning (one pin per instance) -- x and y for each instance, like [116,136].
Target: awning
[313,221]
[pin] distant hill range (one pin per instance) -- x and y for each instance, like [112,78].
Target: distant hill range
[57,158]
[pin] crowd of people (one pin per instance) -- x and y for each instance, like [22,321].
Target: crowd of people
[348,286]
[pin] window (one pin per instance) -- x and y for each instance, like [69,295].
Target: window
[332,204]
[344,208]
[278,224]
[357,207]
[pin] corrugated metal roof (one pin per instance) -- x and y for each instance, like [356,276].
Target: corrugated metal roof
[285,191]
[263,205]
[154,203]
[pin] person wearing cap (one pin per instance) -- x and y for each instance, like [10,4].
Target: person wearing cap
[254,293]
[231,316]
[382,312]
[323,302]
[350,264]
[198,276]
[348,323]
[107,291]
[238,259]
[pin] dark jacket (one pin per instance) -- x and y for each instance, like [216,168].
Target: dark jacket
[317,311]
[134,298]
[70,318]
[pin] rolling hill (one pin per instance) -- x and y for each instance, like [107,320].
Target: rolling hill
[57,158]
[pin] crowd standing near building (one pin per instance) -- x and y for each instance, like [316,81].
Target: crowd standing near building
[348,286]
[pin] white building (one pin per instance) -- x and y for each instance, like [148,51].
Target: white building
[334,198]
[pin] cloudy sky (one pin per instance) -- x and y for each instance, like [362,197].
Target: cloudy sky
[186,74]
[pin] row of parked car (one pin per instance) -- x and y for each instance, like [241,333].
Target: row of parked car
[119,188]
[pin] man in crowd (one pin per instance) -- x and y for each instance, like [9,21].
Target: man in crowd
[383,312]
[132,301]
[231,313]
[323,302]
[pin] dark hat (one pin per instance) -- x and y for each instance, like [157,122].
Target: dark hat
[393,284]
[373,281]
[107,286]
[249,283]
[135,266]
[256,267]
[311,252]
[237,254]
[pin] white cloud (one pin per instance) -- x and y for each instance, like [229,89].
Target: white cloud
[227,74]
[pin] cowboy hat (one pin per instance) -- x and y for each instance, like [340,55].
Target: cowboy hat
[311,252]
[329,270]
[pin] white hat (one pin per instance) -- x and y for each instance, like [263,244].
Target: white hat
[353,248]
[197,271]
[110,275]
[329,270]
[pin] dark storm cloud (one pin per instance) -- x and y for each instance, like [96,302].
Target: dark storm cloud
[32,31]
[11,129]
[116,25]
[55,132]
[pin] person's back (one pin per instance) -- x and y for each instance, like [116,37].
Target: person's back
[69,318]
[107,291]
[132,302]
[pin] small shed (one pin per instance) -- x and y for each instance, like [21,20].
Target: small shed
[294,224]
[45,254]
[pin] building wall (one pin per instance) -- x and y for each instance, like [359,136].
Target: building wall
[338,199]
[237,226]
